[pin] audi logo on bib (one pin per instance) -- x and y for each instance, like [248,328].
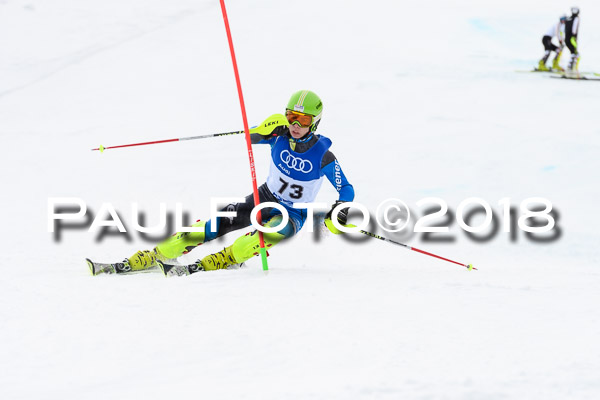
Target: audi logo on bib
[296,163]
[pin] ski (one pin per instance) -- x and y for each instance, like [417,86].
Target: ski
[577,78]
[180,270]
[123,268]
[558,72]
[120,268]
[540,70]
[184,270]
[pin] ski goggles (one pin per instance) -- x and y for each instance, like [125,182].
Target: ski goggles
[298,118]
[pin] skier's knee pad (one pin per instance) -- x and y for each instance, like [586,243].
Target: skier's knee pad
[182,242]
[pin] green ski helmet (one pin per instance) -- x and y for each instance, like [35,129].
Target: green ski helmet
[306,102]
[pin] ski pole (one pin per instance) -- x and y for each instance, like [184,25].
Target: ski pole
[270,123]
[468,266]
[102,148]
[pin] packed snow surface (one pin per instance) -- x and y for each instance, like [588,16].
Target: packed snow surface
[421,100]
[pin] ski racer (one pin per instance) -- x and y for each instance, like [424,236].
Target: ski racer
[557,30]
[571,31]
[300,159]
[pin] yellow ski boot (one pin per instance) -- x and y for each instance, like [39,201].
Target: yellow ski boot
[542,66]
[146,259]
[167,251]
[573,68]
[556,66]
[220,260]
[244,247]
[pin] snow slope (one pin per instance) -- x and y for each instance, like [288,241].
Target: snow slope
[421,100]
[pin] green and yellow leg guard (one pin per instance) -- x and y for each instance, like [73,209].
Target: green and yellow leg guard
[248,246]
[557,58]
[181,242]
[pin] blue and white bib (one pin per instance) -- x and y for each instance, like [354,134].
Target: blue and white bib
[296,177]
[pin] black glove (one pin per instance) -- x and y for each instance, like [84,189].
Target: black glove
[342,214]
[280,131]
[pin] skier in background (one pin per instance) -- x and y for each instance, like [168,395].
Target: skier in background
[557,30]
[571,31]
[299,160]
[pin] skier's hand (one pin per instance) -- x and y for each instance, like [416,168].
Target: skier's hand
[274,124]
[280,131]
[342,218]
[342,215]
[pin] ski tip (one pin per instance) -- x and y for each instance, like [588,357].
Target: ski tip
[91,266]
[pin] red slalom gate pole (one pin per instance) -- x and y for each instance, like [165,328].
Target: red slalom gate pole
[263,252]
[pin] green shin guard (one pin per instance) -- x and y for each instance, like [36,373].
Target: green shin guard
[248,246]
[241,250]
[181,242]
